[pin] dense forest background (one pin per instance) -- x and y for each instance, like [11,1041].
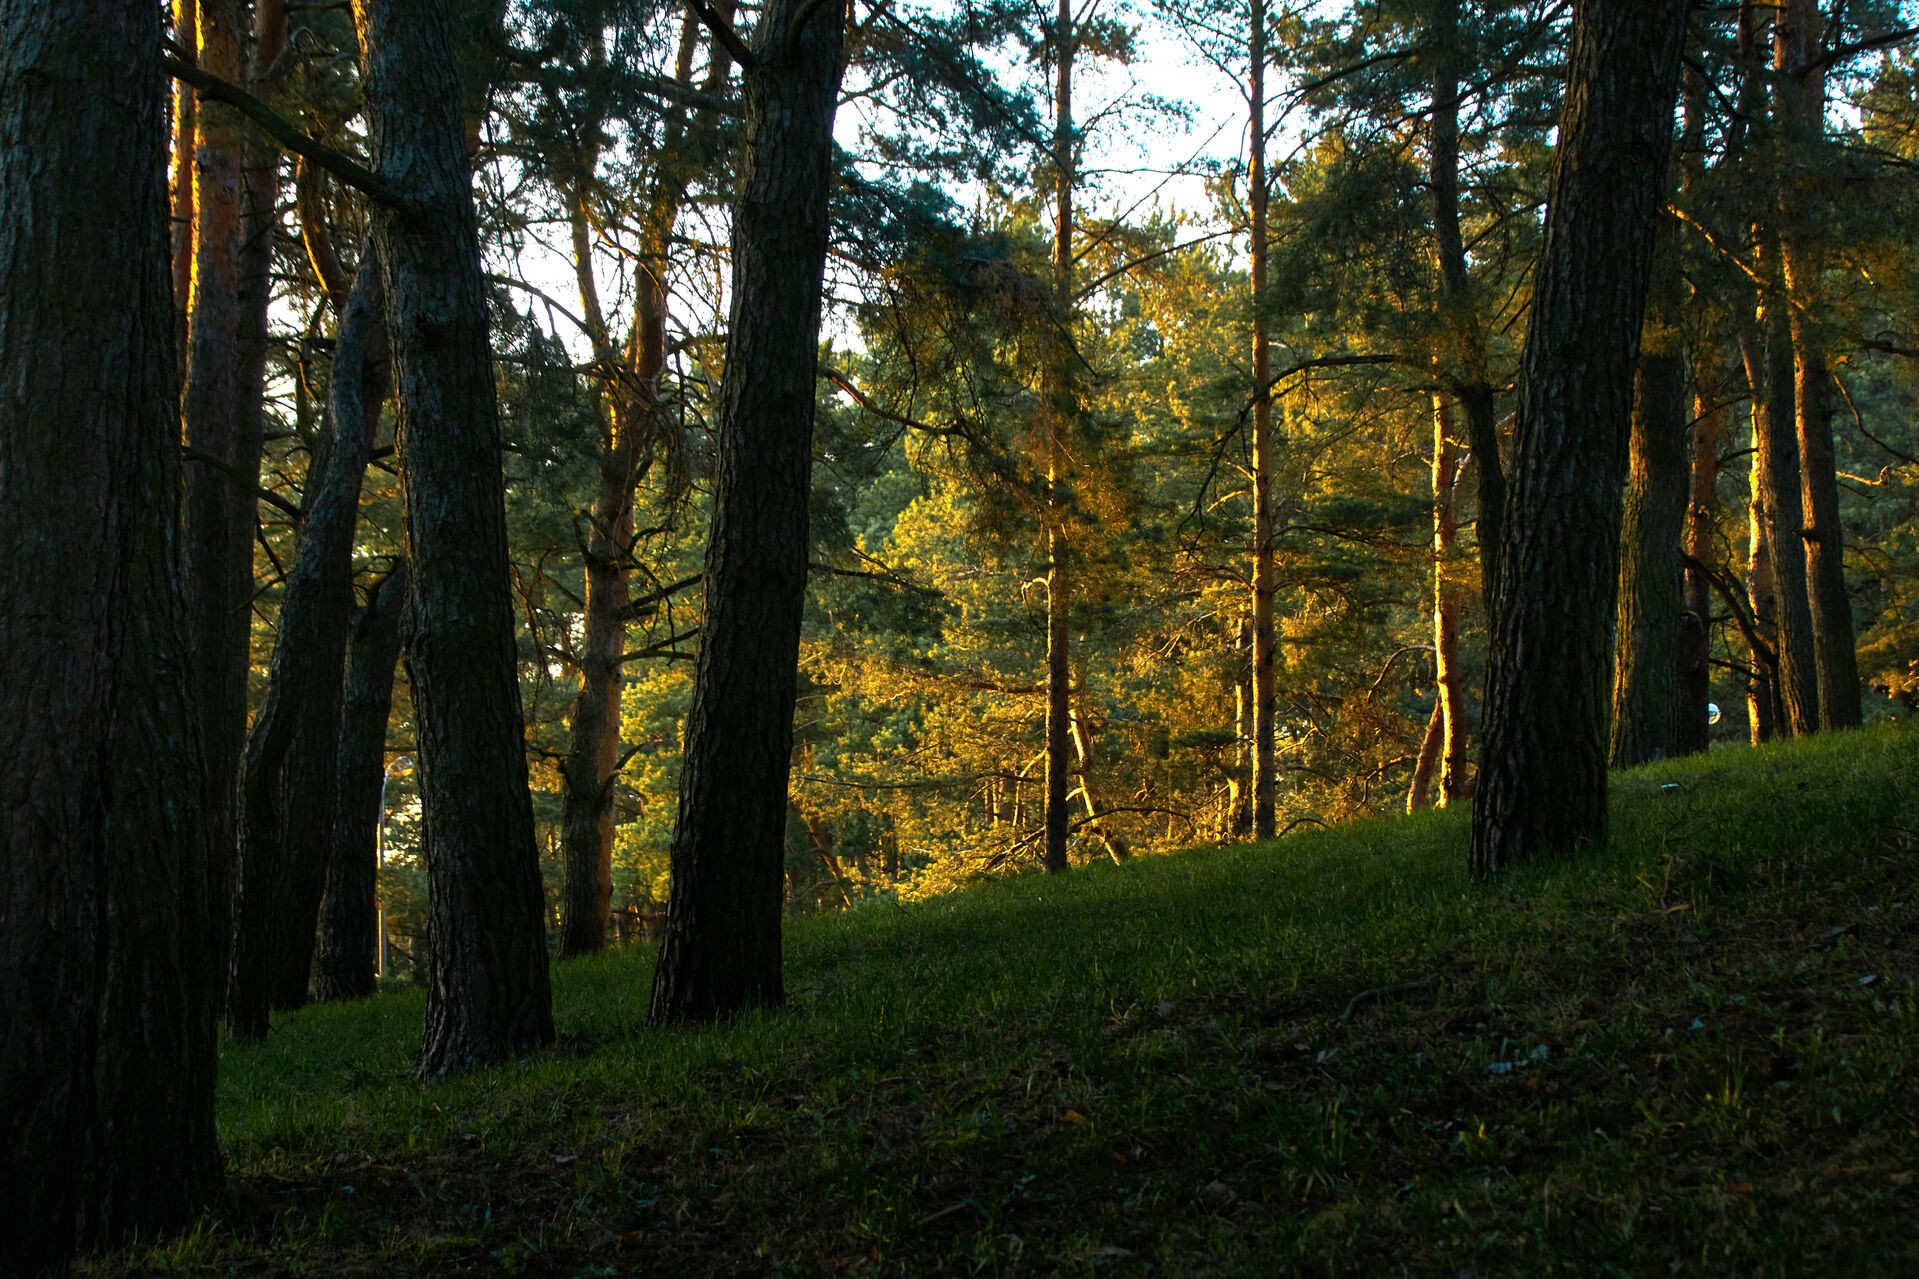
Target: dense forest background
[604,175]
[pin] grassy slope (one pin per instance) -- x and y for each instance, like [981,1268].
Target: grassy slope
[1693,1052]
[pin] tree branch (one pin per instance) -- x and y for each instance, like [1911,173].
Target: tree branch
[285,133]
[723,33]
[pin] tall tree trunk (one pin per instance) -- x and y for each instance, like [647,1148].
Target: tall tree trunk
[186,34]
[1646,691]
[210,411]
[721,954]
[1448,602]
[106,985]
[1057,410]
[1265,631]
[488,994]
[1542,778]
[1465,364]
[1800,107]
[632,416]
[287,792]
[1777,498]
[1695,649]
[349,937]
[1763,713]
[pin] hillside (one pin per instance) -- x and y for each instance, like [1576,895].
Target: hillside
[1334,1054]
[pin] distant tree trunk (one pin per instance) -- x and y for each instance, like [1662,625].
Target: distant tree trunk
[1777,498]
[1265,630]
[632,416]
[1695,650]
[106,982]
[1056,412]
[1800,106]
[1465,365]
[1763,713]
[1240,781]
[1419,794]
[1542,777]
[287,792]
[349,939]
[1646,689]
[488,995]
[721,953]
[1449,679]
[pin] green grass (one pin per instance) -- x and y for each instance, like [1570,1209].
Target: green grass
[1690,1053]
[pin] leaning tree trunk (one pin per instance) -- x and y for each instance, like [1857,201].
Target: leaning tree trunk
[106,981]
[488,994]
[721,953]
[1542,777]
[1651,630]
[288,777]
[349,927]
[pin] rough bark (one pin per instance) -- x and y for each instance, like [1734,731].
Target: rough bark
[349,937]
[1799,107]
[488,992]
[106,1061]
[1056,412]
[1542,778]
[1702,502]
[186,34]
[287,792]
[1763,714]
[1646,696]
[721,953]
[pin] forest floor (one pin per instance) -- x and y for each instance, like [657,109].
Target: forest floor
[1693,1052]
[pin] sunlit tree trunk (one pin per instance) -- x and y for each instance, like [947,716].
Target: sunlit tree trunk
[1448,602]
[210,411]
[488,995]
[721,954]
[106,976]
[1776,497]
[1799,98]
[1542,777]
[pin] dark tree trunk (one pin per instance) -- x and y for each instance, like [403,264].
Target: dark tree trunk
[1695,655]
[106,984]
[488,995]
[721,953]
[1646,682]
[1056,414]
[1542,778]
[349,937]
[1265,627]
[288,777]
[1776,498]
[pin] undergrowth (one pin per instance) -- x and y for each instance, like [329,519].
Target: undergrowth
[1691,1052]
